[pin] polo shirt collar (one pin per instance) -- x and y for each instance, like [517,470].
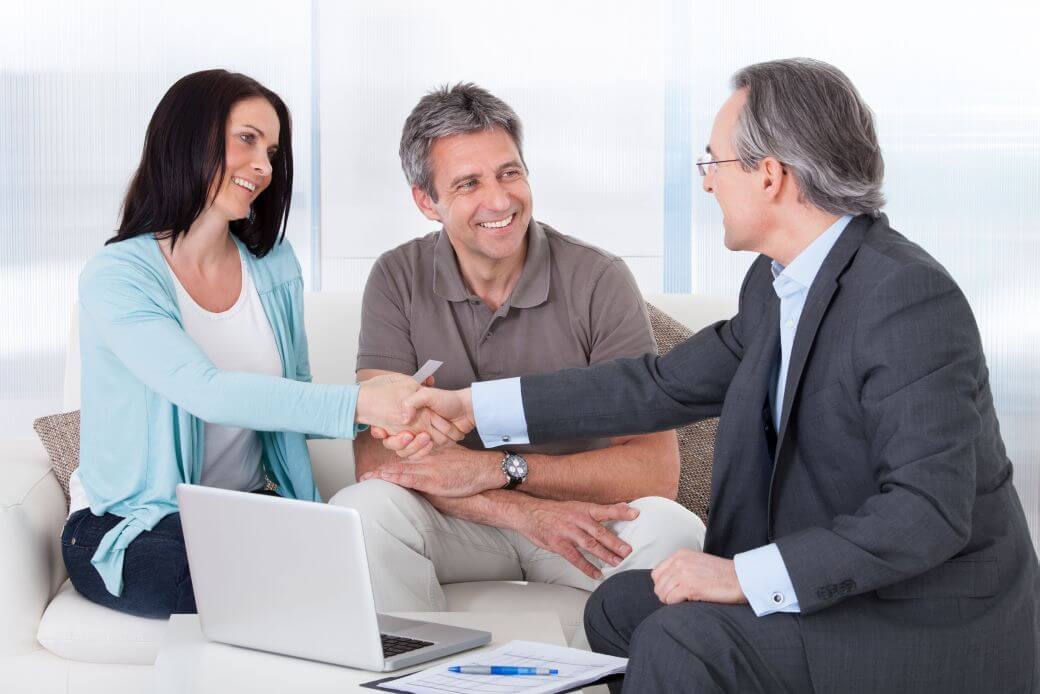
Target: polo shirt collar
[531,289]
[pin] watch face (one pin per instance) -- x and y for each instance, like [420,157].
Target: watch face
[516,467]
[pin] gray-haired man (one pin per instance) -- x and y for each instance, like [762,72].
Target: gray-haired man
[495,294]
[862,500]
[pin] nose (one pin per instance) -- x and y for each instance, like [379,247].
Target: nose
[708,181]
[496,198]
[262,167]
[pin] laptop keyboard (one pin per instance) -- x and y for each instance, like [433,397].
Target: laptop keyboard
[396,645]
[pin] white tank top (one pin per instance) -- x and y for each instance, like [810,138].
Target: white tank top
[239,339]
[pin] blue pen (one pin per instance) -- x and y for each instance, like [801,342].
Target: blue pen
[501,670]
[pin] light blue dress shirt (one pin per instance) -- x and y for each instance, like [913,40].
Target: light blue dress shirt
[499,411]
[762,574]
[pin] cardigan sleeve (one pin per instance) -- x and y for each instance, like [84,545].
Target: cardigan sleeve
[151,343]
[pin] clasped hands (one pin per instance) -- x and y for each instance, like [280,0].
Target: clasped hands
[411,420]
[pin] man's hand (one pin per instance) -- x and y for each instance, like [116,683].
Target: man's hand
[454,406]
[692,575]
[570,527]
[380,404]
[451,472]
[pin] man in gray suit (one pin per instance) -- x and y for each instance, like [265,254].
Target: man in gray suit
[864,532]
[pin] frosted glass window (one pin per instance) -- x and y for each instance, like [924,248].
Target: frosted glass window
[956,105]
[78,83]
[585,81]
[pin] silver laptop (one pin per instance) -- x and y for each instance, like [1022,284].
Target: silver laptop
[292,577]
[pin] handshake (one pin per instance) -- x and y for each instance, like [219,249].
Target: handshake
[413,420]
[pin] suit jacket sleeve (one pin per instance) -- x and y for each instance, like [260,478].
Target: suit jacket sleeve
[917,358]
[639,395]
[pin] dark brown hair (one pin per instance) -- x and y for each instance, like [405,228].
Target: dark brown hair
[184,153]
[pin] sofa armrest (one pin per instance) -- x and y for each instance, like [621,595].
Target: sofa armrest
[32,515]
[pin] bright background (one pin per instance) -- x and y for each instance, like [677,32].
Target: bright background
[617,100]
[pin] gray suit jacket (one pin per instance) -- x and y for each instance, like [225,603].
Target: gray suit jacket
[887,488]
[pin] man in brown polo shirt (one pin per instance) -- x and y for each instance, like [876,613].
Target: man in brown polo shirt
[493,295]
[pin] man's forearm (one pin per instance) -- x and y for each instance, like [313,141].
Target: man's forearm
[496,507]
[369,454]
[646,465]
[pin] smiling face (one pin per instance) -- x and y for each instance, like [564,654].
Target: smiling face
[251,138]
[483,197]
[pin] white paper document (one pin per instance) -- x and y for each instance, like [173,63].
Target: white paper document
[577,667]
[427,369]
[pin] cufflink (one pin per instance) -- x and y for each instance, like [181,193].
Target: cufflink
[777,598]
[505,439]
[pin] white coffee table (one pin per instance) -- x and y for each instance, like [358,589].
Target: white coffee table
[189,662]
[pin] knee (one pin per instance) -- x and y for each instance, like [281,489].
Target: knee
[371,498]
[383,507]
[695,626]
[613,591]
[156,579]
[662,527]
[607,619]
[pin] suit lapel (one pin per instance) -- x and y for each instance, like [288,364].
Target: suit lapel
[820,295]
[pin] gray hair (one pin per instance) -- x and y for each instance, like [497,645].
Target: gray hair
[806,114]
[451,110]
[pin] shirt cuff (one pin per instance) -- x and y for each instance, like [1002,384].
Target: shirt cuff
[764,579]
[499,412]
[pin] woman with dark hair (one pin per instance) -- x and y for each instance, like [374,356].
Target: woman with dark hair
[194,357]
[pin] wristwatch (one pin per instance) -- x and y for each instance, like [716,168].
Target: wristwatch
[515,468]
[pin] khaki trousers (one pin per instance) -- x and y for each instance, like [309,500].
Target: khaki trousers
[413,548]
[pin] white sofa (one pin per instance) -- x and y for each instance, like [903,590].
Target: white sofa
[52,640]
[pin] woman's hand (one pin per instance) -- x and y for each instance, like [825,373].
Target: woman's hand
[381,403]
[452,406]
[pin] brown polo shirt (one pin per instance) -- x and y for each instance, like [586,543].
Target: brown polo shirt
[574,305]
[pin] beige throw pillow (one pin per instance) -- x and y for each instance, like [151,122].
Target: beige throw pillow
[60,436]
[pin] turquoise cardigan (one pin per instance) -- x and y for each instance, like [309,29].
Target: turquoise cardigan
[147,388]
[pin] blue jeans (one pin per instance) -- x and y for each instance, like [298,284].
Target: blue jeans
[156,578]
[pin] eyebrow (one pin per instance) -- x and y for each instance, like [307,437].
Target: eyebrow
[707,148]
[511,164]
[464,177]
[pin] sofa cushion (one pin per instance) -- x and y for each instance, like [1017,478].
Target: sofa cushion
[60,436]
[75,628]
[697,440]
[520,596]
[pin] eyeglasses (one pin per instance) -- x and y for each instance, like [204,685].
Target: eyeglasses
[706,164]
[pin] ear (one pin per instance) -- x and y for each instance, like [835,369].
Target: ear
[774,178]
[425,204]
